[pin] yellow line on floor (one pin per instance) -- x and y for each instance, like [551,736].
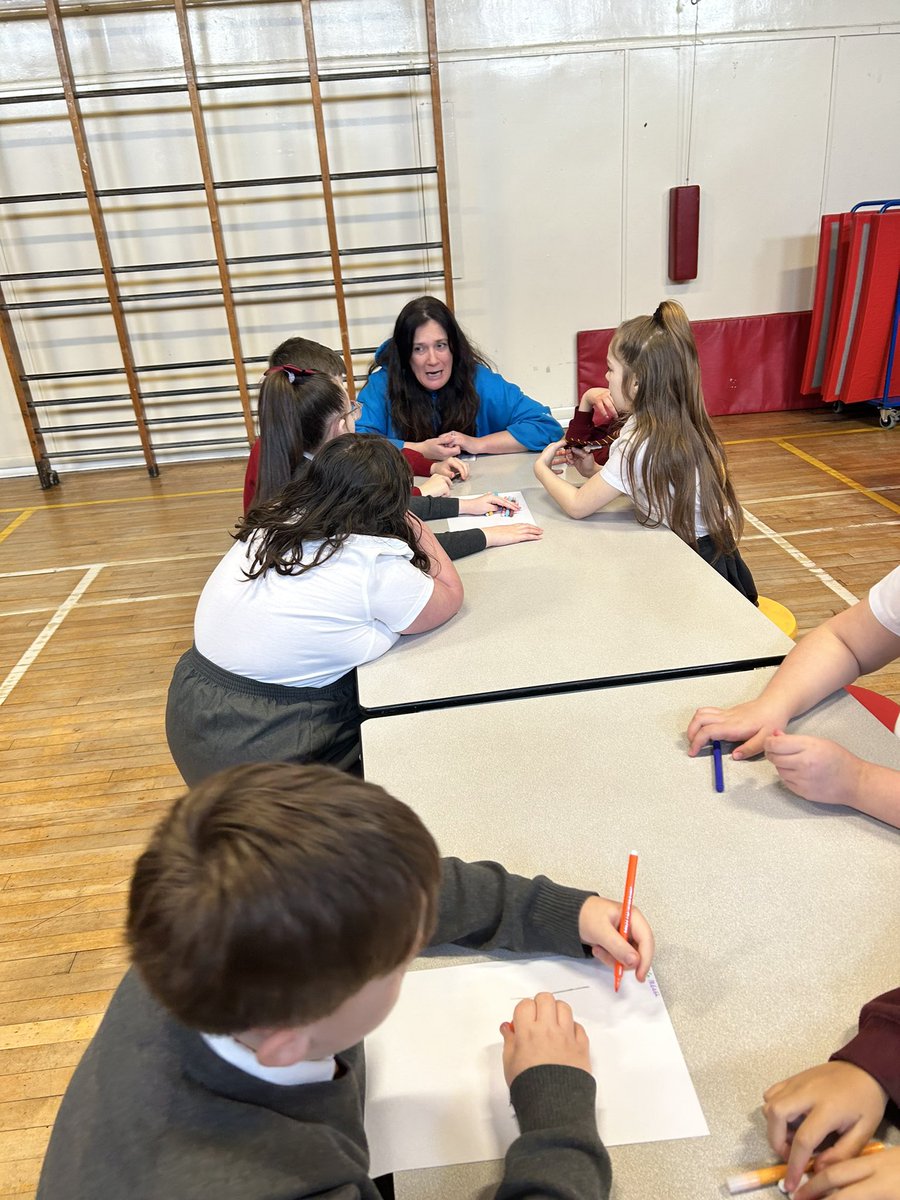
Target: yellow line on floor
[778,437]
[839,475]
[130,499]
[14,524]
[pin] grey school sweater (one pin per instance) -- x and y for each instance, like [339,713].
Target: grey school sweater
[152,1113]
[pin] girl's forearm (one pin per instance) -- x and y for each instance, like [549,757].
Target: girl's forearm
[879,793]
[818,665]
[561,490]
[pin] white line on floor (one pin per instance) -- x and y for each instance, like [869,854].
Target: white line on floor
[816,495]
[48,631]
[29,612]
[756,537]
[121,562]
[802,559]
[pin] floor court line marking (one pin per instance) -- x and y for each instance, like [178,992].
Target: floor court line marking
[116,562]
[754,537]
[888,487]
[798,556]
[839,475]
[776,437]
[28,612]
[18,671]
[129,499]
[15,523]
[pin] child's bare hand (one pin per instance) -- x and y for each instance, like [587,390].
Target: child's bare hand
[874,1177]
[487,505]
[598,927]
[750,724]
[548,455]
[543,1031]
[816,769]
[453,468]
[436,485]
[560,459]
[834,1098]
[583,461]
[600,401]
[508,535]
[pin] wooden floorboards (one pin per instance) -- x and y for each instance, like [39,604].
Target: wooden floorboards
[98,582]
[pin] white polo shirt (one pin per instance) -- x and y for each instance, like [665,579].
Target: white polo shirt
[615,472]
[308,630]
[884,601]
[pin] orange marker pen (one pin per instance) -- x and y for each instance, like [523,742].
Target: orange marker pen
[625,918]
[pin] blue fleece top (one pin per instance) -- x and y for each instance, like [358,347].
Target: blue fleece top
[501,405]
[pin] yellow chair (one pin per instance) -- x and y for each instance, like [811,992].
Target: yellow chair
[778,615]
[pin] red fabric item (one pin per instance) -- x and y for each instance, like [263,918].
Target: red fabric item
[883,707]
[584,429]
[251,475]
[876,1048]
[749,364]
[684,231]
[418,463]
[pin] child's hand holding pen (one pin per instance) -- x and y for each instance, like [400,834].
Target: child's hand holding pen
[486,505]
[833,1098]
[453,468]
[598,927]
[873,1177]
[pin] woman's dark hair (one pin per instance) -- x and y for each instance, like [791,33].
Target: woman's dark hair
[296,406]
[357,483]
[412,410]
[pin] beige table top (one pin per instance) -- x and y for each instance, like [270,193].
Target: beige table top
[592,601]
[775,920]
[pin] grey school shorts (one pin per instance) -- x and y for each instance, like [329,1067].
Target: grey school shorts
[215,719]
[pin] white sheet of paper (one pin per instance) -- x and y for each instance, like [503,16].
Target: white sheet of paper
[522,517]
[436,1093]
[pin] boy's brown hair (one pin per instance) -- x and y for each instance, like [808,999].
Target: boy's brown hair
[309,356]
[272,892]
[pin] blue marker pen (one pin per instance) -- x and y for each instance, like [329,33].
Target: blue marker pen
[717,764]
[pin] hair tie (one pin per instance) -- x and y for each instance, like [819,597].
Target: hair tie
[294,373]
[658,317]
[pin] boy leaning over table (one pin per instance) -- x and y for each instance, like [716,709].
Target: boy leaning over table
[271,920]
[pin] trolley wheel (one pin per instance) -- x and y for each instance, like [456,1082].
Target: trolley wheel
[838,406]
[888,418]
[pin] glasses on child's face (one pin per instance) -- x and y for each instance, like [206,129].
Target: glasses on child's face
[354,410]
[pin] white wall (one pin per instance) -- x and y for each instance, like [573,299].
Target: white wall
[565,126]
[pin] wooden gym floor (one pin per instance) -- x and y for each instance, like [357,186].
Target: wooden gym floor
[98,581]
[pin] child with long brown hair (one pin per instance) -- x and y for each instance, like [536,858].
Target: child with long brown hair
[667,457]
[323,578]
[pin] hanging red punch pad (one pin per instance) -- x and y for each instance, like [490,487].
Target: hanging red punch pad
[684,232]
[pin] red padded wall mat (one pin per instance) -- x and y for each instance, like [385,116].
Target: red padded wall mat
[749,364]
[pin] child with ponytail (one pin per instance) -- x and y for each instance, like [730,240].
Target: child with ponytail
[667,457]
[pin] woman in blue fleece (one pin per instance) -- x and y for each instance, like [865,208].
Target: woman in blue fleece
[430,391]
